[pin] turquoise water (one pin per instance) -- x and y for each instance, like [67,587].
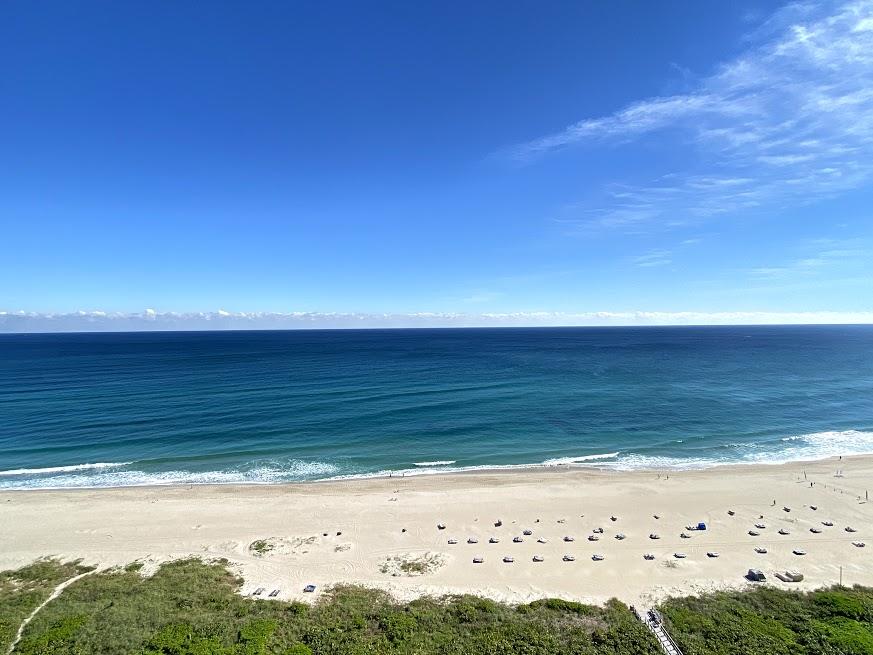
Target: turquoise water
[216,407]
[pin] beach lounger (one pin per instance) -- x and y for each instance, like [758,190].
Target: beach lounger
[597,531]
[441,526]
[760,526]
[498,523]
[786,509]
[789,576]
[731,512]
[813,507]
[685,535]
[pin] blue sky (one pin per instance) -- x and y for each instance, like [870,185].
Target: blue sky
[534,160]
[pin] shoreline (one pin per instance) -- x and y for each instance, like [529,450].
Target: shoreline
[355,531]
[484,470]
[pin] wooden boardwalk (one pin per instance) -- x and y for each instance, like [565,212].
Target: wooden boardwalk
[651,618]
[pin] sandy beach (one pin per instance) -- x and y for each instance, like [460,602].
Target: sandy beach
[363,531]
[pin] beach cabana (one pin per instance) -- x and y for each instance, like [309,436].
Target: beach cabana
[756,575]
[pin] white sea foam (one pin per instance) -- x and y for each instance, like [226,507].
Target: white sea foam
[65,469]
[578,460]
[795,448]
[268,474]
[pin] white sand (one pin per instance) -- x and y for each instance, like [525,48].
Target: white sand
[154,524]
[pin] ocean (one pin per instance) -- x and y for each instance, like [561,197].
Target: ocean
[119,409]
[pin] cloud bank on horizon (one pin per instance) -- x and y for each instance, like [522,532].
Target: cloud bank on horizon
[151,320]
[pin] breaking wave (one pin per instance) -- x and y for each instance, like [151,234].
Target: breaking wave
[777,450]
[65,469]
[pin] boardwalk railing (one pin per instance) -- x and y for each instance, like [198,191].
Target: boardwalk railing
[652,620]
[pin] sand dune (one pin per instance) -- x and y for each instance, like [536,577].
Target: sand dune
[353,531]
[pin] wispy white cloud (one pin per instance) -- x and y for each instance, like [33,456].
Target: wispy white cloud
[789,121]
[821,256]
[657,257]
[151,320]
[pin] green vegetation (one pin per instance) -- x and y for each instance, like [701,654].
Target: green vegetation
[837,621]
[261,547]
[192,608]
[412,565]
[24,590]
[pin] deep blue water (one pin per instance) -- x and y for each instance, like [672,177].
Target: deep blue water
[293,405]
